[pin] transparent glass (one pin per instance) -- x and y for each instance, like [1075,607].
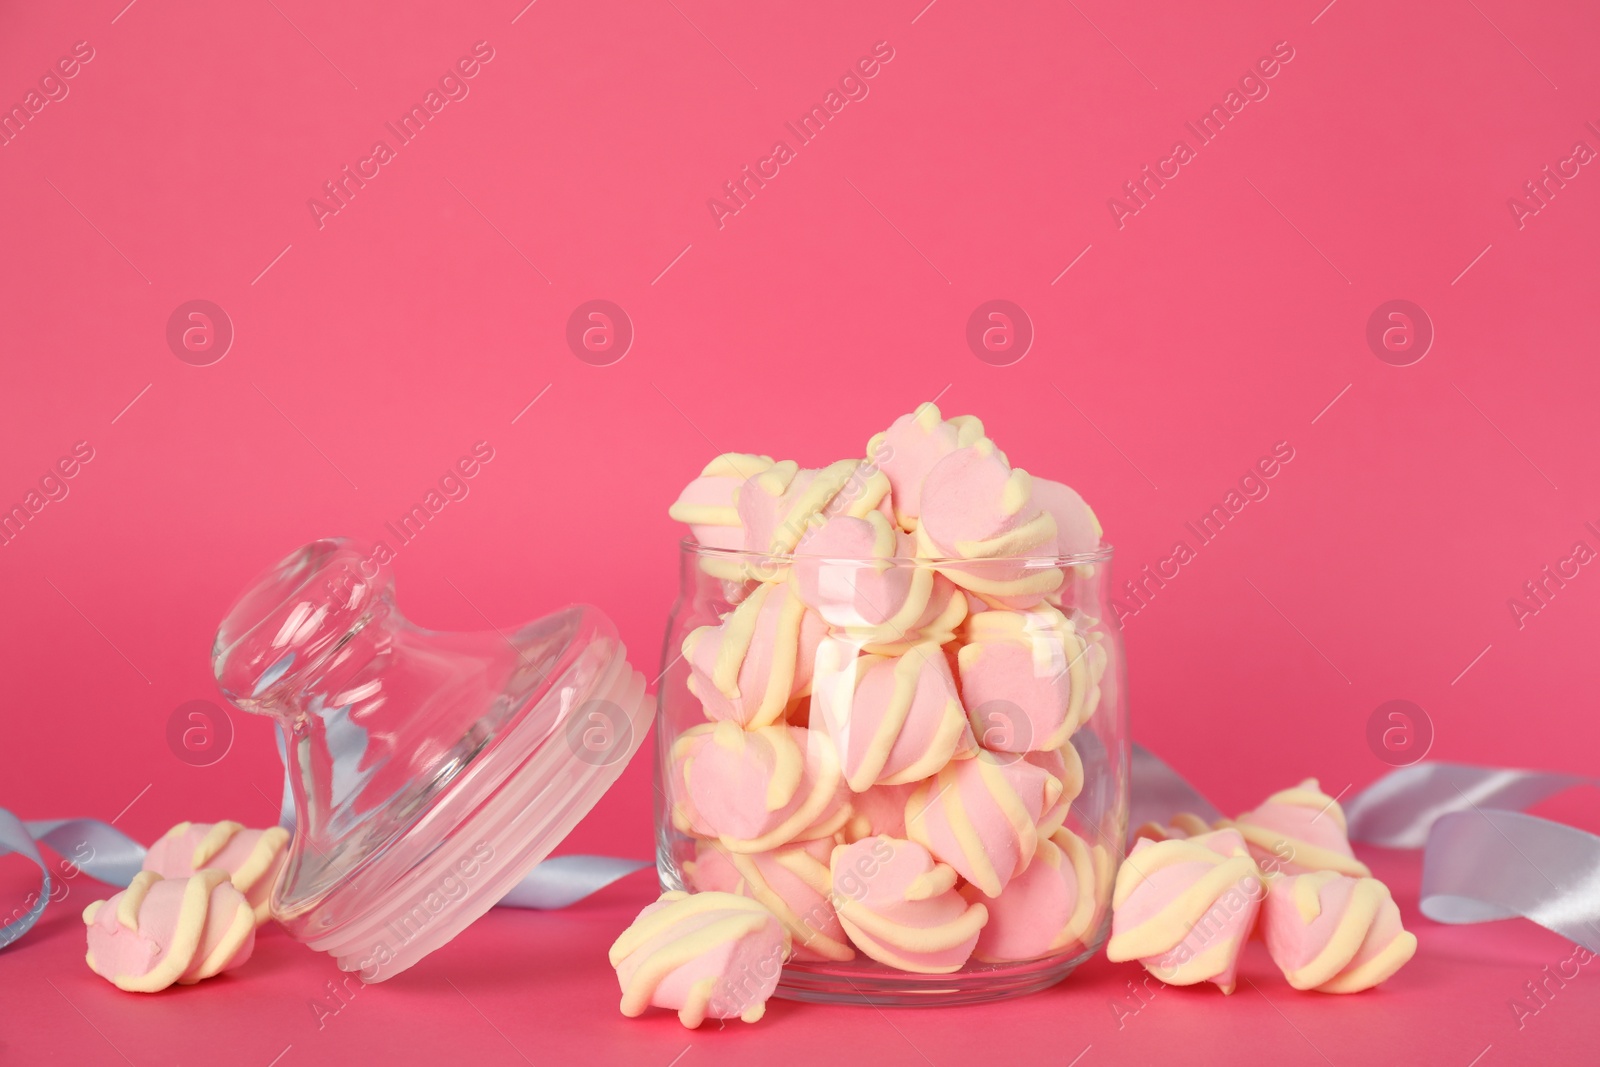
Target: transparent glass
[1047,666]
[430,771]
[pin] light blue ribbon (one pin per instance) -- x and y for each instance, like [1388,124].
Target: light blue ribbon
[96,848]
[1482,860]
[106,853]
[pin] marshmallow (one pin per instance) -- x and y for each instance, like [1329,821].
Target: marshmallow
[755,790]
[251,858]
[1184,908]
[981,816]
[946,607]
[1078,532]
[1180,827]
[748,668]
[1300,830]
[705,956]
[844,570]
[792,883]
[777,505]
[901,908]
[1026,679]
[977,507]
[1333,933]
[909,448]
[879,810]
[160,931]
[894,720]
[1049,908]
[708,504]
[1065,766]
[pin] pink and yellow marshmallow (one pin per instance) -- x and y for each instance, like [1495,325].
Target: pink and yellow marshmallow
[251,858]
[910,447]
[1184,908]
[1078,531]
[1299,830]
[977,507]
[1032,667]
[1065,766]
[755,790]
[1183,825]
[160,931]
[1049,908]
[709,504]
[705,956]
[846,570]
[1333,933]
[793,883]
[757,659]
[894,720]
[981,816]
[776,506]
[901,908]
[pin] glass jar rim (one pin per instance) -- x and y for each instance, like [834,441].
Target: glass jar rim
[1101,554]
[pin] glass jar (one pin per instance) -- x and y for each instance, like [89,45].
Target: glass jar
[967,716]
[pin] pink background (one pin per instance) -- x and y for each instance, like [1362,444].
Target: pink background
[1227,315]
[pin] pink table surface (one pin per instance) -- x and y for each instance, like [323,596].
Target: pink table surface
[526,987]
[1173,348]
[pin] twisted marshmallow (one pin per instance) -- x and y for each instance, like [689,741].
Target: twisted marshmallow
[160,931]
[894,720]
[792,883]
[747,668]
[706,956]
[251,858]
[777,505]
[1300,830]
[901,908]
[910,447]
[708,505]
[845,570]
[1050,907]
[976,506]
[1184,908]
[1333,933]
[981,816]
[755,790]
[1027,678]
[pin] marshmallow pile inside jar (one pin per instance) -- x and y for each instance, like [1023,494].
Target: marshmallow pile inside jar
[896,721]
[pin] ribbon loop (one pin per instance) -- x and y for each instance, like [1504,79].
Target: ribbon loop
[14,837]
[1398,809]
[1485,865]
